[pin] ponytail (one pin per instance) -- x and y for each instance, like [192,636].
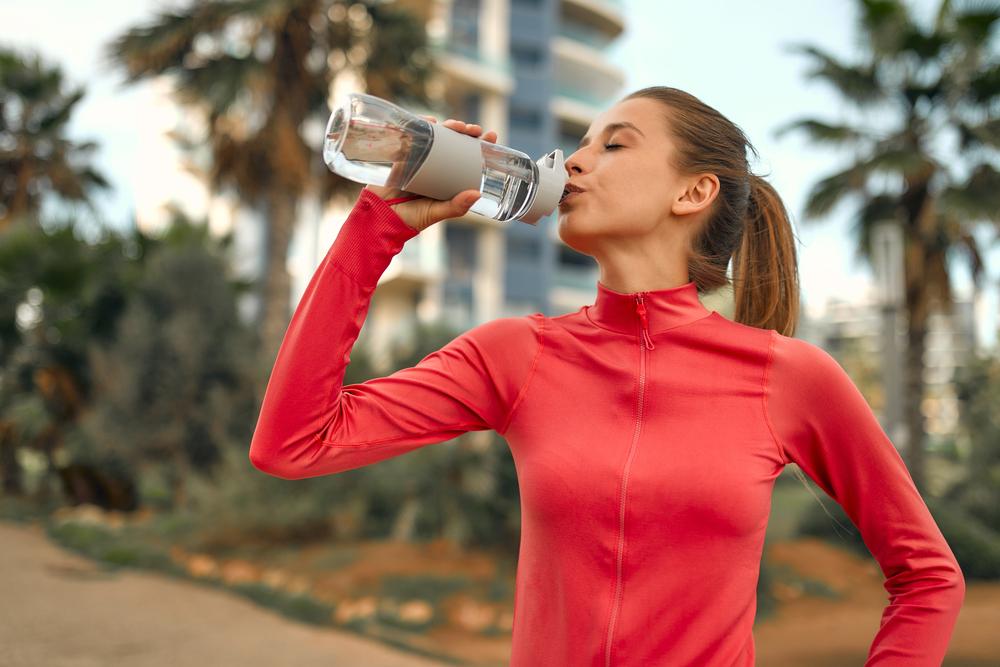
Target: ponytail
[765,268]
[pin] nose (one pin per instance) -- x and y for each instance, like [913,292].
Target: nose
[572,165]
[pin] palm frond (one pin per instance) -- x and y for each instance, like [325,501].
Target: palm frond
[858,83]
[825,133]
[219,81]
[984,86]
[978,198]
[162,44]
[983,134]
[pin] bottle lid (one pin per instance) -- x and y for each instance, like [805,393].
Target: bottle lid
[551,181]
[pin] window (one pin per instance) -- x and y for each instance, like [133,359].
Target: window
[460,244]
[465,23]
[527,56]
[524,118]
[523,250]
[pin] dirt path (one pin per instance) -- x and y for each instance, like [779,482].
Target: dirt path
[58,609]
[833,633]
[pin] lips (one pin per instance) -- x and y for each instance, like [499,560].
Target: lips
[567,195]
[570,189]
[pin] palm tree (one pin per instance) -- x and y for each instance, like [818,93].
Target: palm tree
[260,71]
[931,80]
[36,158]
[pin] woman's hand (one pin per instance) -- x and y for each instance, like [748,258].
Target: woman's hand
[423,212]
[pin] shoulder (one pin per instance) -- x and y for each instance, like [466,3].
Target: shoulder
[507,337]
[802,367]
[506,329]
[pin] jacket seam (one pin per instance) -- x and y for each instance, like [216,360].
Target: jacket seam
[531,373]
[396,438]
[763,394]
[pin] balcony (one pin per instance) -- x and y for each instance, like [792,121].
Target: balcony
[473,68]
[580,64]
[607,15]
[577,107]
[584,34]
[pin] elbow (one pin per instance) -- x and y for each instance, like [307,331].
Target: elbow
[959,585]
[268,464]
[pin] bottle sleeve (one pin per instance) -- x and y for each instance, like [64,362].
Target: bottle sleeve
[310,424]
[822,423]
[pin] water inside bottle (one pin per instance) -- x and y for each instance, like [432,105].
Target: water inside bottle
[383,154]
[508,184]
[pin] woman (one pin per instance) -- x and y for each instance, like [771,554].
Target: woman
[647,431]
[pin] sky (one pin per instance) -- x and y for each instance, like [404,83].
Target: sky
[731,55]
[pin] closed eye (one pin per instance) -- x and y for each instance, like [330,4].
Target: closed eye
[612,146]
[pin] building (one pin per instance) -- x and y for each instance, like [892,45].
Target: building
[857,328]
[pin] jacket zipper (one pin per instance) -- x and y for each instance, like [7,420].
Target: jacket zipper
[645,342]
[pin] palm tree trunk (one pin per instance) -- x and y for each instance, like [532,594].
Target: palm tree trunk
[914,415]
[276,289]
[10,467]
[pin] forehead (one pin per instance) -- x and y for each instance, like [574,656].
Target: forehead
[641,113]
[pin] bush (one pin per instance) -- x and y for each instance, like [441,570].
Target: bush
[976,546]
[237,503]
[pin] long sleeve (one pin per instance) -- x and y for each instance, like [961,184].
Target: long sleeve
[311,425]
[822,423]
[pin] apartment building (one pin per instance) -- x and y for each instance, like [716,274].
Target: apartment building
[949,339]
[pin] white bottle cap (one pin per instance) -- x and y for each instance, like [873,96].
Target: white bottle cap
[552,179]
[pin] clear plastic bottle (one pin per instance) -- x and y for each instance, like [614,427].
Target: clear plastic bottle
[371,140]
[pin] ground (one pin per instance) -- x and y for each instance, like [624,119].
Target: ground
[69,611]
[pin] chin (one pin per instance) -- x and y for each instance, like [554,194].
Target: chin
[572,235]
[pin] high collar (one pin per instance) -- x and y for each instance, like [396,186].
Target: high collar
[665,308]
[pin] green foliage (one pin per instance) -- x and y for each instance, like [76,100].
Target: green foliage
[175,383]
[299,606]
[829,521]
[976,546]
[977,386]
[236,503]
[114,548]
[37,160]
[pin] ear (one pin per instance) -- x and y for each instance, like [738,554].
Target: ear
[697,194]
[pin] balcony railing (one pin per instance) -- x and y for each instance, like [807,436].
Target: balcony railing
[583,96]
[588,36]
[501,64]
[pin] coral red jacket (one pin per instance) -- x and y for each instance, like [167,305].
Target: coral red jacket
[646,431]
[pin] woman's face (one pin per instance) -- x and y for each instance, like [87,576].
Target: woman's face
[630,187]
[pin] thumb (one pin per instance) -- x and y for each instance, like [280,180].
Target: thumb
[457,206]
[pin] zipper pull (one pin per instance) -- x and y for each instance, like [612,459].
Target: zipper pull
[640,308]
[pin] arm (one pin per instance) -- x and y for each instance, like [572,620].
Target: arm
[821,422]
[310,425]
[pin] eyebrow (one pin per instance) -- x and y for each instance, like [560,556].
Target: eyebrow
[611,127]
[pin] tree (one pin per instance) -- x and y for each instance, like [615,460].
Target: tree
[175,385]
[933,80]
[259,71]
[58,294]
[36,158]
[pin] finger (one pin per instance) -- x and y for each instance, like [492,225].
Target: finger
[457,206]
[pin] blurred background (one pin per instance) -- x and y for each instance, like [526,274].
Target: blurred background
[163,203]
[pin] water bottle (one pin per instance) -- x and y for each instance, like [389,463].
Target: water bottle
[371,140]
